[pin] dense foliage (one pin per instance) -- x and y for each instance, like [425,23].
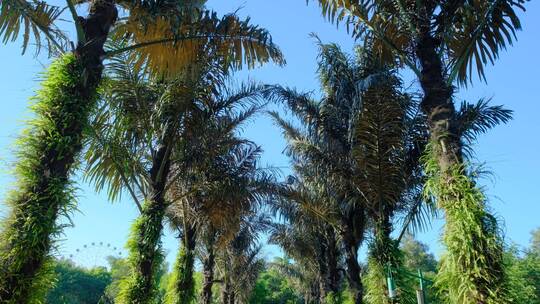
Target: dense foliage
[275,285]
[150,98]
[76,285]
[44,192]
[273,288]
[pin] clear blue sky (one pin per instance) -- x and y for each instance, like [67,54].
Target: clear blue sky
[509,151]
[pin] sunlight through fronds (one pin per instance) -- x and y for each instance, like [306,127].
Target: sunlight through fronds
[167,43]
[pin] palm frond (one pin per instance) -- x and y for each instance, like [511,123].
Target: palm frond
[479,32]
[172,39]
[418,217]
[478,118]
[34,20]
[301,105]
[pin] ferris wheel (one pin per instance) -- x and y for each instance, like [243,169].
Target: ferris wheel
[95,254]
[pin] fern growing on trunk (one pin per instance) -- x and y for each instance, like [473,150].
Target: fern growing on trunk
[472,269]
[384,253]
[145,257]
[46,155]
[181,289]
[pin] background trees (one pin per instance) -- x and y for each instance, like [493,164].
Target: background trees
[79,285]
[282,279]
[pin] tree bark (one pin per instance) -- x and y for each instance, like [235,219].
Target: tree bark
[437,103]
[447,148]
[185,285]
[46,160]
[332,260]
[226,291]
[232,297]
[328,265]
[145,250]
[208,273]
[353,268]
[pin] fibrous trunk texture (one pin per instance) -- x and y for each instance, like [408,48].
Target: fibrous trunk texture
[145,255]
[353,271]
[182,286]
[472,268]
[226,291]
[332,256]
[328,267]
[208,276]
[46,157]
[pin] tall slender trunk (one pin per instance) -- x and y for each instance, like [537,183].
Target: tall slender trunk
[324,285]
[208,274]
[437,103]
[472,270]
[328,268]
[145,254]
[332,260]
[46,157]
[182,287]
[353,271]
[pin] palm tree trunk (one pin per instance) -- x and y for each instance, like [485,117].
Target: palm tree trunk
[226,290]
[332,260]
[145,254]
[45,159]
[182,286]
[323,277]
[314,295]
[473,274]
[208,273]
[438,105]
[353,271]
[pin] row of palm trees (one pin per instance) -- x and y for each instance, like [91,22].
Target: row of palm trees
[442,43]
[360,175]
[160,122]
[150,122]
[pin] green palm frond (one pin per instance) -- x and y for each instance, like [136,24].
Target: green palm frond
[290,132]
[34,20]
[301,105]
[419,216]
[481,29]
[478,118]
[112,166]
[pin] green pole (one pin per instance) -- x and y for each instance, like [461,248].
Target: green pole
[390,282]
[421,294]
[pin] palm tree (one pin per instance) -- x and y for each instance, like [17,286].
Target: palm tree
[216,188]
[302,277]
[442,41]
[130,147]
[311,241]
[389,136]
[357,157]
[135,140]
[326,150]
[239,262]
[50,147]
